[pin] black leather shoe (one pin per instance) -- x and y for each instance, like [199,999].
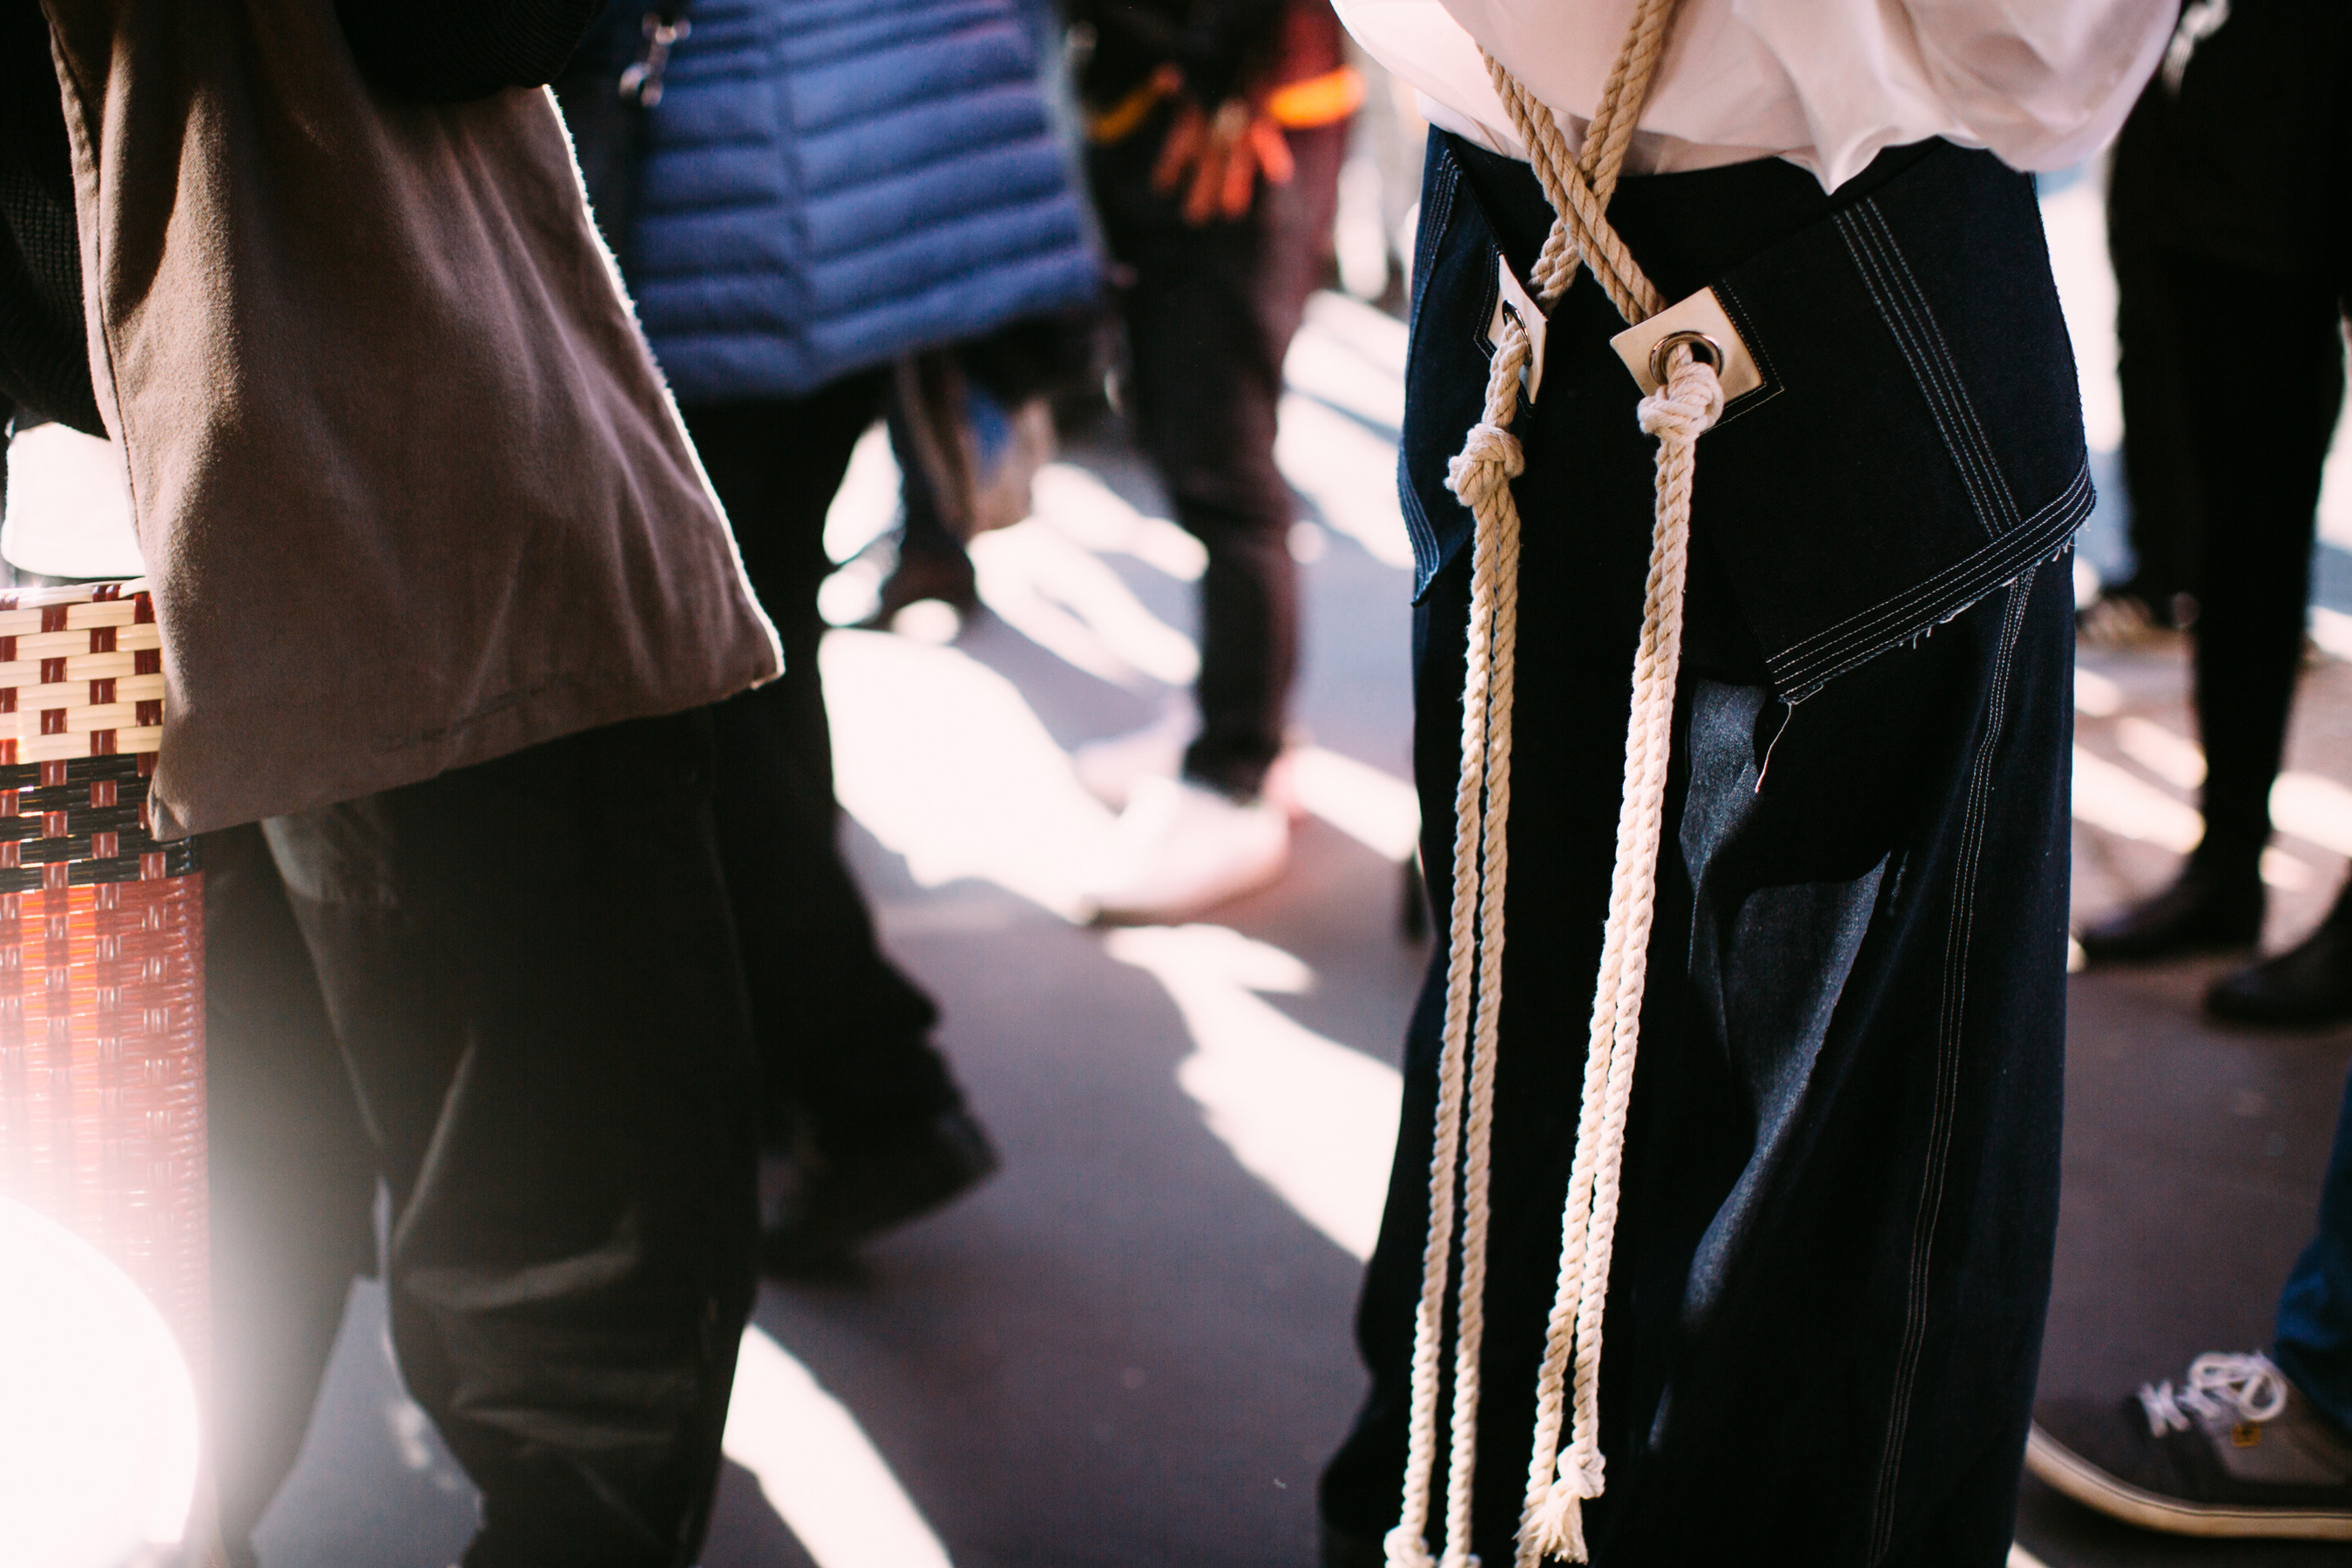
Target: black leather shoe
[816,1207]
[2204,911]
[2309,986]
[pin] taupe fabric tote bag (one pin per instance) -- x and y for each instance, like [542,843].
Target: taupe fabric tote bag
[410,492]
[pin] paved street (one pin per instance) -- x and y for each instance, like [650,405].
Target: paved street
[1131,1348]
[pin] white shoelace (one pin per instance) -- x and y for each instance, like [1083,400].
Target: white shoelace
[2243,1387]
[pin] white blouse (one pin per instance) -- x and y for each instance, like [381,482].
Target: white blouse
[1826,84]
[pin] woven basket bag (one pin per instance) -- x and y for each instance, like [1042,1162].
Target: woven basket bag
[102,949]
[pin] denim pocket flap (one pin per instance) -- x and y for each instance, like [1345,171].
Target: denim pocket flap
[1918,439]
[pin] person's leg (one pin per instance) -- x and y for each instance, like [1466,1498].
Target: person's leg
[2258,460]
[2159,478]
[1209,318]
[2238,1443]
[2315,1310]
[844,1032]
[1841,1168]
[861,1115]
[1872,1012]
[533,970]
[292,1177]
[775,464]
[1210,310]
[932,561]
[2260,457]
[1839,1174]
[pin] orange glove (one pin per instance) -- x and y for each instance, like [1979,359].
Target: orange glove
[1222,157]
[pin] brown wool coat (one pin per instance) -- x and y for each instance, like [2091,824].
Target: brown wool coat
[410,490]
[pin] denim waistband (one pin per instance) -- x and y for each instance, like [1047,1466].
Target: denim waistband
[1916,441]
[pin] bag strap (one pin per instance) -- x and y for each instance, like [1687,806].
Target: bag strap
[606,113]
[663,27]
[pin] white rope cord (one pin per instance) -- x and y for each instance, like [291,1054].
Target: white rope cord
[1552,1522]
[1481,476]
[1677,414]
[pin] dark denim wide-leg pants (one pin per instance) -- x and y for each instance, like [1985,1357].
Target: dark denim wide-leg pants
[1841,1173]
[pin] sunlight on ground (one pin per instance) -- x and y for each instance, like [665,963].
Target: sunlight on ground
[2109,796]
[1352,357]
[867,501]
[2115,800]
[1090,513]
[942,760]
[1063,597]
[1311,1119]
[818,1470]
[1348,472]
[1378,810]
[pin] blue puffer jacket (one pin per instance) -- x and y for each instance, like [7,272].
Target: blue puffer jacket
[831,183]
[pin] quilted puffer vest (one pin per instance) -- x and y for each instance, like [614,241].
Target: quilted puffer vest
[830,183]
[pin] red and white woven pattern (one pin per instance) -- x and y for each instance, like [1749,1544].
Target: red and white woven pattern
[81,673]
[101,948]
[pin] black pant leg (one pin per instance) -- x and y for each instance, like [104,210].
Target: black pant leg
[292,1180]
[844,1032]
[1869,1217]
[2159,471]
[2262,406]
[775,464]
[532,967]
[1209,315]
[923,525]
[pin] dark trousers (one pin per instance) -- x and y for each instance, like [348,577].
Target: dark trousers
[843,1034]
[2259,409]
[1840,1166]
[530,971]
[2160,475]
[2228,203]
[1210,310]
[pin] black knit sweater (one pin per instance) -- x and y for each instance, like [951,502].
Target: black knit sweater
[446,51]
[44,363]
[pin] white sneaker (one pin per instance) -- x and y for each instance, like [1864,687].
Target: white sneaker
[1180,849]
[1110,769]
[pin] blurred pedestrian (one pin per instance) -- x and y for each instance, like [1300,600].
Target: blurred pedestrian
[443,600]
[2165,513]
[799,196]
[970,426]
[2238,191]
[1799,886]
[1217,131]
[2247,1444]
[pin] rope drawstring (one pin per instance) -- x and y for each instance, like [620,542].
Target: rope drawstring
[1552,1522]
[1681,410]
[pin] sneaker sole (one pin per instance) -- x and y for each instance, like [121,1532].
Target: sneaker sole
[2069,1475]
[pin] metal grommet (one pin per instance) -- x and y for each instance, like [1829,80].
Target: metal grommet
[1702,347]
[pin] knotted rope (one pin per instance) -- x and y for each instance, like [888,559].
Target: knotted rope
[1691,400]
